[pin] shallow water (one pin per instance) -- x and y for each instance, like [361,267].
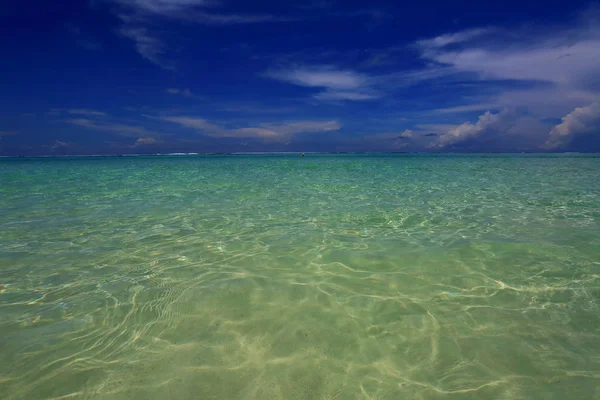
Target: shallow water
[280,277]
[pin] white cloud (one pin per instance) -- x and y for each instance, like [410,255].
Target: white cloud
[452,38]
[83,111]
[324,76]
[550,61]
[164,6]
[146,141]
[137,14]
[257,109]
[468,130]
[549,54]
[407,134]
[563,63]
[76,111]
[336,84]
[183,92]
[291,128]
[192,122]
[149,47]
[114,128]
[189,10]
[465,108]
[230,19]
[506,130]
[345,95]
[486,123]
[580,121]
[61,145]
[265,130]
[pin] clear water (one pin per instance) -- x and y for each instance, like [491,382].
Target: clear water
[281,277]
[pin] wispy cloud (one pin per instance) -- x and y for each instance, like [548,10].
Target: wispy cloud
[81,38]
[551,61]
[165,6]
[193,122]
[138,14]
[276,131]
[148,46]
[323,76]
[76,111]
[452,38]
[257,109]
[294,127]
[190,10]
[88,44]
[60,145]
[114,128]
[335,84]
[231,19]
[84,111]
[559,65]
[466,108]
[544,56]
[183,92]
[580,121]
[7,133]
[345,95]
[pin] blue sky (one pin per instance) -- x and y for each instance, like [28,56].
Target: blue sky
[148,76]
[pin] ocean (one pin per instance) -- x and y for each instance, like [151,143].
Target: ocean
[359,276]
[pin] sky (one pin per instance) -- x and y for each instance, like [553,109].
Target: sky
[164,76]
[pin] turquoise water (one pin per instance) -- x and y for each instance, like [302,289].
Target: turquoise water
[281,277]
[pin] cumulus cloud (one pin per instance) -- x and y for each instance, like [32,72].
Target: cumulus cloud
[275,131]
[580,121]
[183,92]
[335,84]
[506,130]
[469,130]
